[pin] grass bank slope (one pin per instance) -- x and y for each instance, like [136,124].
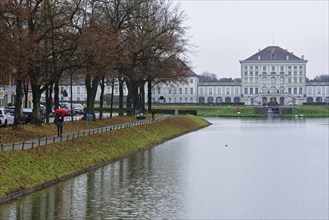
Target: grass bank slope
[37,167]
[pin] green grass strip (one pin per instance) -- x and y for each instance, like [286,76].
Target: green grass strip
[27,169]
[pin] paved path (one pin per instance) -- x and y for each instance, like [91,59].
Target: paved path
[54,139]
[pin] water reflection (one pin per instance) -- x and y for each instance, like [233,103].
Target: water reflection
[234,169]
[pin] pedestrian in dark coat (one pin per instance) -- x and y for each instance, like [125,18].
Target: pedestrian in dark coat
[59,120]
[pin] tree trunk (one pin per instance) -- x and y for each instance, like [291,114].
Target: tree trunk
[101,98]
[26,93]
[142,95]
[112,95]
[36,93]
[18,102]
[121,112]
[49,102]
[135,95]
[56,95]
[129,101]
[91,87]
[149,95]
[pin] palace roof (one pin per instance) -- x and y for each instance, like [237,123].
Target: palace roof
[273,53]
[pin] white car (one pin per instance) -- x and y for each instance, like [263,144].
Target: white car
[78,109]
[6,117]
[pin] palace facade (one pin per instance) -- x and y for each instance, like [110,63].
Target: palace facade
[272,75]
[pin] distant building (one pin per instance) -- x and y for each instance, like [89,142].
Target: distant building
[273,75]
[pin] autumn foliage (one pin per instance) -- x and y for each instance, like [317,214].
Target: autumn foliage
[132,42]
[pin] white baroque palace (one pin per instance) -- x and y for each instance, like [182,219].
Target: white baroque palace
[270,75]
[273,75]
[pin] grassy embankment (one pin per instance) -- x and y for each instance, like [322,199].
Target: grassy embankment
[216,110]
[248,111]
[27,169]
[310,111]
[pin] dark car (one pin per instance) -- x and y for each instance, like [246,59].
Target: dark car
[28,112]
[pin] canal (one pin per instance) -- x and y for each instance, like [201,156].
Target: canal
[233,169]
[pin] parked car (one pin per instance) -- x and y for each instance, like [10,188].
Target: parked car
[28,112]
[11,109]
[66,105]
[6,117]
[78,109]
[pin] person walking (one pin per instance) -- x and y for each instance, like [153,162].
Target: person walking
[59,120]
[153,114]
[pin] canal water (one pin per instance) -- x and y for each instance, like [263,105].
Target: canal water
[233,169]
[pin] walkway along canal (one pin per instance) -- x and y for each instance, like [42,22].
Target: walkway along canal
[233,169]
[54,139]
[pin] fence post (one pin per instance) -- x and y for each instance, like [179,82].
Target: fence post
[46,140]
[39,141]
[23,145]
[73,136]
[54,140]
[32,144]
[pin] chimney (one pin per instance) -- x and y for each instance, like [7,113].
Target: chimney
[302,57]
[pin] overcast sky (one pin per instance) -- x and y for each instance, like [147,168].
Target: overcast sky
[228,31]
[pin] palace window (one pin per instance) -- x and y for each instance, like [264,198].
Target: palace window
[273,80]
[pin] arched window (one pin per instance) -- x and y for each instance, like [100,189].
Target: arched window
[281,80]
[309,99]
[228,99]
[318,99]
[281,90]
[236,99]
[273,80]
[264,80]
[201,100]
[264,89]
[326,100]
[273,90]
[210,100]
[219,100]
